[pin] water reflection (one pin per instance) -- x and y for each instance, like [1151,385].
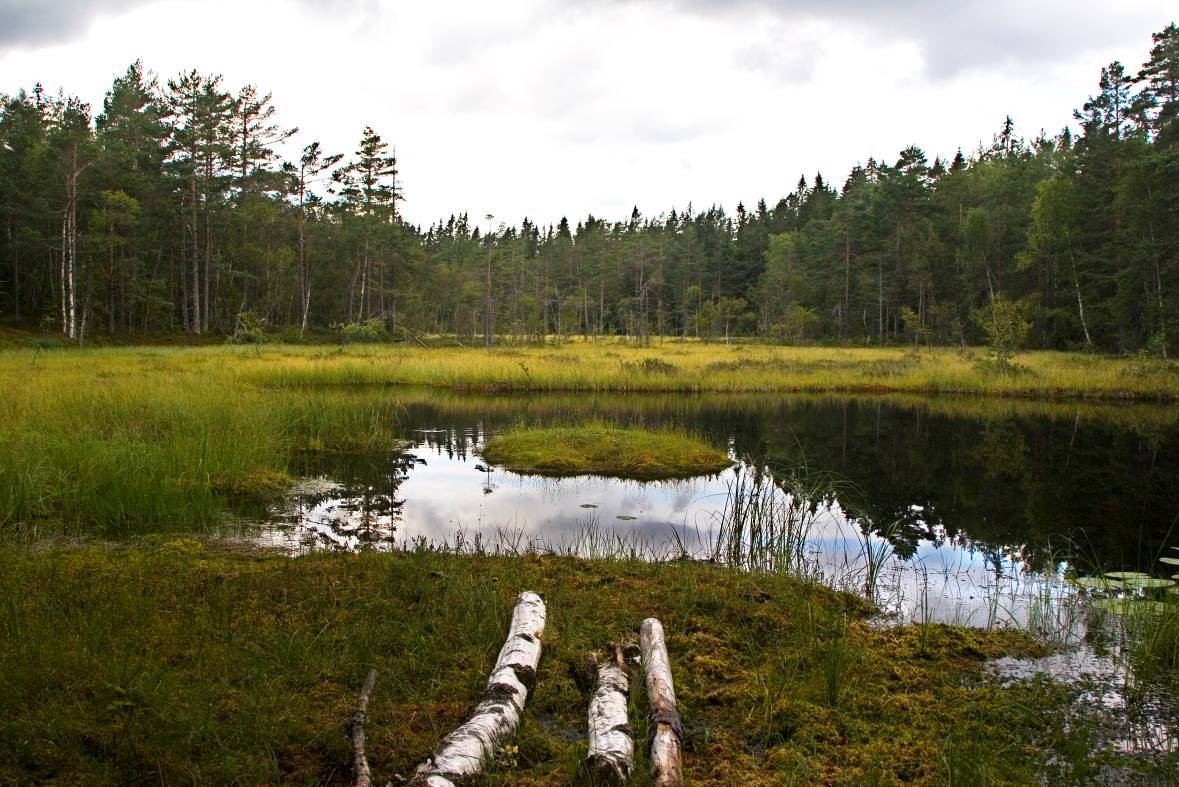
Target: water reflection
[962,513]
[947,484]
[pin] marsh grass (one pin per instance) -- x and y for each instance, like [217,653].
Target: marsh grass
[112,451]
[173,657]
[836,658]
[765,523]
[145,438]
[697,367]
[606,449]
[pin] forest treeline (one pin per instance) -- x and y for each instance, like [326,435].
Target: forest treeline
[170,209]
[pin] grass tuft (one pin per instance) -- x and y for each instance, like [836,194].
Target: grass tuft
[604,449]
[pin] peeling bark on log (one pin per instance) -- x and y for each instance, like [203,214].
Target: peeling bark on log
[666,730]
[611,749]
[364,777]
[463,753]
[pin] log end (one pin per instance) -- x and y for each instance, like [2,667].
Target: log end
[606,769]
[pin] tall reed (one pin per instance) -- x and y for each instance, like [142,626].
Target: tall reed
[766,523]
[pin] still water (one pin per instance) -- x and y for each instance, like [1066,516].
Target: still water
[972,510]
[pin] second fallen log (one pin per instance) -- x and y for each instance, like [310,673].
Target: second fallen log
[611,748]
[666,729]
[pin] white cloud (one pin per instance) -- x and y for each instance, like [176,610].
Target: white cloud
[548,109]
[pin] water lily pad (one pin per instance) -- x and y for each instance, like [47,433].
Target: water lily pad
[1130,606]
[1099,583]
[626,517]
[1148,582]
[588,505]
[1126,574]
[1170,561]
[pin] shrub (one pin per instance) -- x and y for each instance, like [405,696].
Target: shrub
[367,332]
[1006,327]
[249,329]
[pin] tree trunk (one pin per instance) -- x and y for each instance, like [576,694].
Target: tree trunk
[846,285]
[487,301]
[462,754]
[1158,278]
[304,273]
[70,247]
[65,312]
[666,730]
[611,747]
[205,305]
[195,289]
[1080,304]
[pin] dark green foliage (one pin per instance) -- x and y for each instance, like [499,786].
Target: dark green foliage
[186,217]
[366,332]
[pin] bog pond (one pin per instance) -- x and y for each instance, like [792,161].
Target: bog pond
[960,511]
[969,512]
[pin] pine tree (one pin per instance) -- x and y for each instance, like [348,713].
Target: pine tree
[199,156]
[370,188]
[1159,97]
[312,164]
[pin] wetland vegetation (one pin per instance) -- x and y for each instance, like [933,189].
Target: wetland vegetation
[606,450]
[872,538]
[128,653]
[172,656]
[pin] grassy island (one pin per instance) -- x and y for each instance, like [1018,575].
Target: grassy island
[602,449]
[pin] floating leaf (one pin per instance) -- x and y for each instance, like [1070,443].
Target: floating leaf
[588,505]
[1130,606]
[1099,583]
[1148,582]
[1170,561]
[1126,575]
[1118,606]
[626,517]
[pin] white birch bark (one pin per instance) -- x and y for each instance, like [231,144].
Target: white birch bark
[611,748]
[364,776]
[666,730]
[463,753]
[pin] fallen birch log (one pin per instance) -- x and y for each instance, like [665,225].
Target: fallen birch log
[364,777]
[463,753]
[611,749]
[666,730]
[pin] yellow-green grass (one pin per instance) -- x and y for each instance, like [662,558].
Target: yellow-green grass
[604,449]
[670,366]
[152,437]
[696,367]
[134,440]
[181,662]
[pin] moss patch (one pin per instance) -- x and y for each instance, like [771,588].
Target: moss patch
[601,449]
[214,666]
[258,482]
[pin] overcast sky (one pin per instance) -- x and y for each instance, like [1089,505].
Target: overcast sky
[545,108]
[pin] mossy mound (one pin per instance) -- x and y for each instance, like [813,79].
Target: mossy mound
[602,449]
